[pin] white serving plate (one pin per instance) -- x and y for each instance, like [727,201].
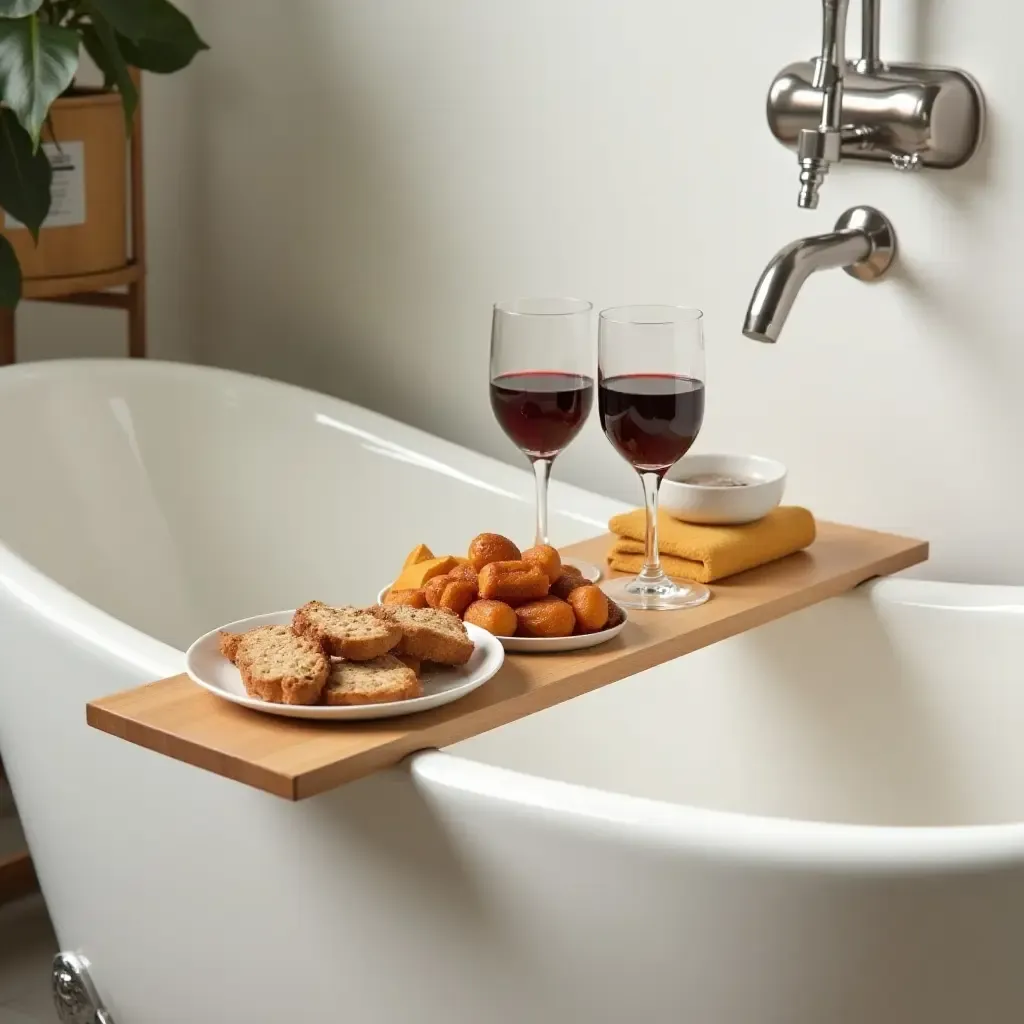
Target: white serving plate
[546,645]
[212,671]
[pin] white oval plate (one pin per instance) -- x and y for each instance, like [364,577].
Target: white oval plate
[546,645]
[212,671]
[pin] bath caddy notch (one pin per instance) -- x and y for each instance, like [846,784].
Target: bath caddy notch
[297,759]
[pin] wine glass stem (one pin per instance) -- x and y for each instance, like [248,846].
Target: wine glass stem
[652,563]
[542,472]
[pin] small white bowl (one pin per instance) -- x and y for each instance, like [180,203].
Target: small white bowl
[706,503]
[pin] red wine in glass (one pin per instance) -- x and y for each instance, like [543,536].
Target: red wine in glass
[541,411]
[651,419]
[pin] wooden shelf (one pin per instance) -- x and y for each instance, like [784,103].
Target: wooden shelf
[17,877]
[298,759]
[62,287]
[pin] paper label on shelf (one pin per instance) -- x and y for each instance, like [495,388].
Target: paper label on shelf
[67,203]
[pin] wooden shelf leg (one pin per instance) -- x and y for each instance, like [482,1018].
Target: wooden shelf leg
[137,319]
[137,290]
[7,354]
[17,878]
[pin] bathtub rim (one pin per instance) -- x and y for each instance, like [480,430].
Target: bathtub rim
[752,838]
[728,834]
[66,611]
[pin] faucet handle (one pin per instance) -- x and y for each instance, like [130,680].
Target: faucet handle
[817,148]
[906,161]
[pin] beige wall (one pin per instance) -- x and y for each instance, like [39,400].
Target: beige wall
[342,189]
[376,174]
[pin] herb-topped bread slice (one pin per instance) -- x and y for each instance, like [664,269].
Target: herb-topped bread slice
[379,681]
[277,665]
[432,634]
[346,632]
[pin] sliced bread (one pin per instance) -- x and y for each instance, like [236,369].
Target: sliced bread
[235,646]
[411,661]
[346,632]
[432,634]
[277,665]
[378,681]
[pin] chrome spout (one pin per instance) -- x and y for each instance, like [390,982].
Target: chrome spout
[863,244]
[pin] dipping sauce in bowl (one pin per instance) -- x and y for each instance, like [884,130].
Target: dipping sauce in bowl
[713,480]
[721,489]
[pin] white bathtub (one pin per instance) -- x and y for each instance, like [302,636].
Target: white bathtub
[818,823]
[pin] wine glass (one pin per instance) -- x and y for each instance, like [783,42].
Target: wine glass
[542,385]
[651,403]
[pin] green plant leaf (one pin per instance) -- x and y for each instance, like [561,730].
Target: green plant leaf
[10,275]
[163,58]
[25,175]
[153,22]
[19,8]
[102,45]
[37,63]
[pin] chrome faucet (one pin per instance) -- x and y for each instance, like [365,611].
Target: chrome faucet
[863,244]
[912,116]
[819,147]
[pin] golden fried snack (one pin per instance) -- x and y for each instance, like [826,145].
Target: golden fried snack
[549,617]
[453,595]
[468,575]
[458,596]
[615,615]
[434,589]
[590,607]
[491,547]
[512,582]
[494,616]
[464,572]
[409,598]
[546,558]
[570,579]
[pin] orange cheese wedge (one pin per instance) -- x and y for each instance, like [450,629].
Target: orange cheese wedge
[420,553]
[415,576]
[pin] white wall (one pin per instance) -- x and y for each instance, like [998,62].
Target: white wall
[374,175]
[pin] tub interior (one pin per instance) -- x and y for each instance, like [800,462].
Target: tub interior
[177,499]
[860,710]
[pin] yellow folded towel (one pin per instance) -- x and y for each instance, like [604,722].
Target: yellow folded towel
[707,553]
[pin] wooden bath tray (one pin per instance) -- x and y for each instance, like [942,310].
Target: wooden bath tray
[296,759]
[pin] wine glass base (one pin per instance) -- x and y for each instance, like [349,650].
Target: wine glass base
[590,571]
[662,595]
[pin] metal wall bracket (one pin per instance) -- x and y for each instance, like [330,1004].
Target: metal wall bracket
[909,115]
[933,116]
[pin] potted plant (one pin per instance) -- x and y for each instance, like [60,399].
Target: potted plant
[48,123]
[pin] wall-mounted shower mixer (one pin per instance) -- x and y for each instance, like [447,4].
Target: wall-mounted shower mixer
[909,115]
[830,109]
